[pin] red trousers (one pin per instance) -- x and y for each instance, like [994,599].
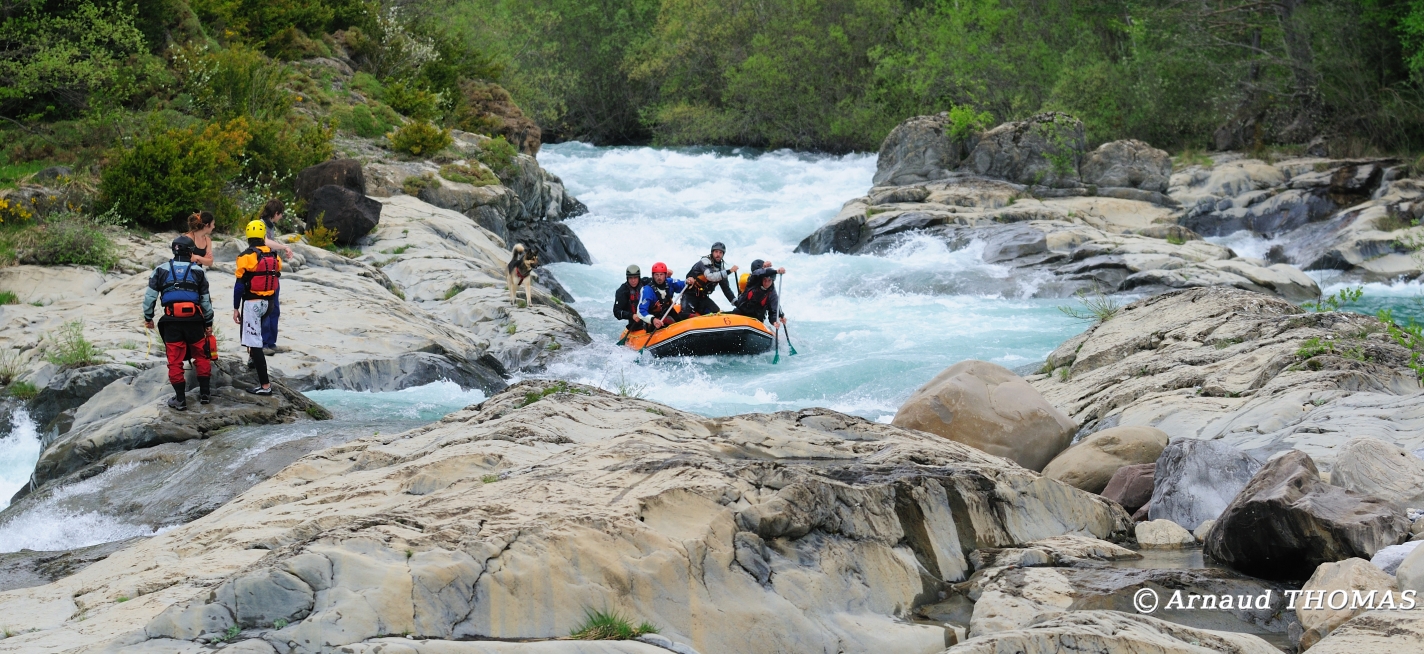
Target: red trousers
[185,341]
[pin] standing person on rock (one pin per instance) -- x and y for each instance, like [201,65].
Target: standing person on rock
[200,229]
[707,274]
[655,306]
[626,299]
[272,213]
[760,300]
[182,288]
[259,270]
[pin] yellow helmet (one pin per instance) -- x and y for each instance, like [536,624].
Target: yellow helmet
[256,229]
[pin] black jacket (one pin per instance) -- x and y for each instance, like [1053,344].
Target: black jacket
[625,300]
[706,274]
[757,302]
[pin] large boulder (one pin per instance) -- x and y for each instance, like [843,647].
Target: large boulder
[346,173]
[1373,467]
[1091,463]
[1349,575]
[350,213]
[986,406]
[1112,632]
[68,390]
[919,150]
[1287,522]
[1384,631]
[1163,535]
[1044,150]
[1128,164]
[1196,480]
[1410,573]
[1131,486]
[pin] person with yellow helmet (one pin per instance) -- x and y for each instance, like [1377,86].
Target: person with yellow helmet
[272,213]
[259,271]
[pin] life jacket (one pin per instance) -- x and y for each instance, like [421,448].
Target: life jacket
[700,287]
[663,298]
[263,278]
[180,295]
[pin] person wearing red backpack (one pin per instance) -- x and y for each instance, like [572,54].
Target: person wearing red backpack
[182,288]
[259,270]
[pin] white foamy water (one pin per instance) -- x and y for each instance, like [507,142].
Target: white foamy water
[56,522]
[868,329]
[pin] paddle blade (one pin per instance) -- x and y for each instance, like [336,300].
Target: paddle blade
[776,359]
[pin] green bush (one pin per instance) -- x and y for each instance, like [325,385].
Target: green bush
[234,82]
[279,149]
[420,138]
[609,625]
[22,390]
[68,348]
[66,238]
[366,121]
[412,101]
[498,154]
[414,184]
[464,174]
[172,172]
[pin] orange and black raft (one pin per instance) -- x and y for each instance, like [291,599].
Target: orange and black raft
[719,333]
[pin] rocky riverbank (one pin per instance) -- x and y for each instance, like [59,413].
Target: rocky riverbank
[1124,217]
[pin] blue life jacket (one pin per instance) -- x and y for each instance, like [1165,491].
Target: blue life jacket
[178,288]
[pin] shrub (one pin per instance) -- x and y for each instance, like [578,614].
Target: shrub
[22,390]
[1097,307]
[172,172]
[67,238]
[1333,302]
[366,121]
[609,625]
[964,121]
[414,184]
[68,348]
[320,236]
[292,44]
[9,366]
[498,154]
[13,212]
[279,149]
[412,100]
[420,138]
[464,174]
[234,82]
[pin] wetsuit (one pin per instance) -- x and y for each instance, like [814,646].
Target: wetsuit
[625,303]
[760,303]
[182,288]
[655,301]
[706,274]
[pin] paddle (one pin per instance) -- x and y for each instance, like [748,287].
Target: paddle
[777,358]
[783,322]
[671,304]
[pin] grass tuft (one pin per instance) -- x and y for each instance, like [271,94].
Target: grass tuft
[69,349]
[9,297]
[1097,307]
[609,625]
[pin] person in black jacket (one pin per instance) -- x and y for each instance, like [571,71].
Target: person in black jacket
[707,274]
[760,299]
[625,300]
[182,288]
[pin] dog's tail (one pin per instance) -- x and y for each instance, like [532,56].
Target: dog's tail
[518,250]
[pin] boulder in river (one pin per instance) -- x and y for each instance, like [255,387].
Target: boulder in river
[1131,486]
[1042,150]
[1091,463]
[1287,521]
[1350,575]
[920,149]
[795,531]
[1128,164]
[1371,466]
[351,214]
[69,389]
[986,406]
[1196,480]
[1163,535]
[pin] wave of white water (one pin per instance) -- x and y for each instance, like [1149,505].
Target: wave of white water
[868,329]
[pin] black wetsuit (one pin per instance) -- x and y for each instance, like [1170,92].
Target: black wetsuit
[706,274]
[625,303]
[760,303]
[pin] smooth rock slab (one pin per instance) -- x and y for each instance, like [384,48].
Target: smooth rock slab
[1410,573]
[1131,486]
[1163,535]
[1091,463]
[1348,575]
[1374,467]
[1112,632]
[1196,480]
[1287,522]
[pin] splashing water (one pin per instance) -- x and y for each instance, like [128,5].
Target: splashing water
[868,329]
[19,450]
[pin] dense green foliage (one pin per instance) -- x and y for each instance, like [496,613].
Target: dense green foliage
[168,174]
[838,74]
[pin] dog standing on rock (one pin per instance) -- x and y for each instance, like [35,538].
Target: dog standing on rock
[520,271]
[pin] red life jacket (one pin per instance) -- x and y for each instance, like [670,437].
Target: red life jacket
[264,274]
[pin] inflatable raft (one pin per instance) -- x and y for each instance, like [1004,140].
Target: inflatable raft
[719,333]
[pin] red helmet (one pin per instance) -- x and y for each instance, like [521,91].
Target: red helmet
[660,267]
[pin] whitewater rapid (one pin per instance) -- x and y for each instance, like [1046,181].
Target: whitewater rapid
[868,329]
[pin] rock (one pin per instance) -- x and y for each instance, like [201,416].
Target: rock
[70,389]
[1196,480]
[1091,463]
[1231,366]
[1410,573]
[51,176]
[1348,575]
[1128,164]
[601,500]
[985,406]
[1163,535]
[919,149]
[1389,558]
[350,213]
[27,568]
[1287,522]
[1043,150]
[345,173]
[1013,242]
[1111,631]
[1371,466]
[1131,486]
[1202,530]
[1374,632]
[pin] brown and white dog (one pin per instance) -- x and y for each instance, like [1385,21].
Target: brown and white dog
[520,271]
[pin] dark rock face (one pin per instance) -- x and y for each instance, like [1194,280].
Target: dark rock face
[1287,521]
[1196,479]
[919,150]
[68,390]
[350,213]
[1128,164]
[345,173]
[1013,242]
[1131,486]
[1044,150]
